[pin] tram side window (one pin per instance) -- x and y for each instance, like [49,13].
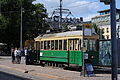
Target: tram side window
[45,46]
[60,44]
[41,44]
[79,44]
[34,46]
[38,45]
[56,44]
[75,45]
[48,44]
[65,45]
[71,44]
[52,45]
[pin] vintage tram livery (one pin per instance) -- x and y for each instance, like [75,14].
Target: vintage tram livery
[65,48]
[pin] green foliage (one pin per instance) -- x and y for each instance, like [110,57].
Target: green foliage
[97,30]
[3,22]
[33,20]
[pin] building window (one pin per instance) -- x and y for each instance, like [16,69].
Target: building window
[107,36]
[107,30]
[103,30]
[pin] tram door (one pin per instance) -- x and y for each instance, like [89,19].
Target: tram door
[74,52]
[37,50]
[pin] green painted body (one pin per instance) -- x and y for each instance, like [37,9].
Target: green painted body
[68,57]
[71,57]
[94,57]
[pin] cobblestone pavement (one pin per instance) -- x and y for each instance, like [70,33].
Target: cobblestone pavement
[51,73]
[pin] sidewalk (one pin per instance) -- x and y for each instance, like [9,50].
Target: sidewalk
[51,73]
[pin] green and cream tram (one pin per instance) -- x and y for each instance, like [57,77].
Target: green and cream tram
[66,48]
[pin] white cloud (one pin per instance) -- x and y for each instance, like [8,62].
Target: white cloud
[88,18]
[79,8]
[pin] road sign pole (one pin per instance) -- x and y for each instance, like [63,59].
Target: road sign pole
[114,40]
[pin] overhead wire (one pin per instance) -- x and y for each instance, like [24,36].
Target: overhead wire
[57,6]
[82,4]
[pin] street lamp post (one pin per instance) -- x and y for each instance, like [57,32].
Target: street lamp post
[113,37]
[114,40]
[21,30]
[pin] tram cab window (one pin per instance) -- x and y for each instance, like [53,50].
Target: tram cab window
[92,45]
[86,44]
[60,44]
[65,45]
[52,45]
[56,44]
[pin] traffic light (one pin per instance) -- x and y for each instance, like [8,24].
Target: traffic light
[106,2]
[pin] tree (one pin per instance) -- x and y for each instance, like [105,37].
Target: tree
[33,19]
[98,30]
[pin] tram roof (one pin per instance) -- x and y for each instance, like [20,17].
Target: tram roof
[62,34]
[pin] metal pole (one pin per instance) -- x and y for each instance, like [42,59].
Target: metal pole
[21,30]
[0,8]
[114,40]
[60,18]
[119,27]
[83,67]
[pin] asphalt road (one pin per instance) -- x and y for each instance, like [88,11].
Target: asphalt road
[7,74]
[9,71]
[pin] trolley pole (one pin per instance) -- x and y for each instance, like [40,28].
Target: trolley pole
[114,40]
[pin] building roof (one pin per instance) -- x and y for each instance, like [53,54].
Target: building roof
[118,10]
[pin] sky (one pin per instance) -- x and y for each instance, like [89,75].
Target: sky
[79,8]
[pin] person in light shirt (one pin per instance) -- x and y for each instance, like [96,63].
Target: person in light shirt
[26,52]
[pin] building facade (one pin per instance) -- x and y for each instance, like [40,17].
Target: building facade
[103,22]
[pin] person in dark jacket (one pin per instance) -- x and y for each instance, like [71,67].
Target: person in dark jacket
[12,55]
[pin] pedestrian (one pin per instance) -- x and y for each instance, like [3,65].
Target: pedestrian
[89,69]
[19,55]
[12,55]
[15,54]
[26,52]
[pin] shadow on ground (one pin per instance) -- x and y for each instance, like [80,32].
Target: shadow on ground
[7,76]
